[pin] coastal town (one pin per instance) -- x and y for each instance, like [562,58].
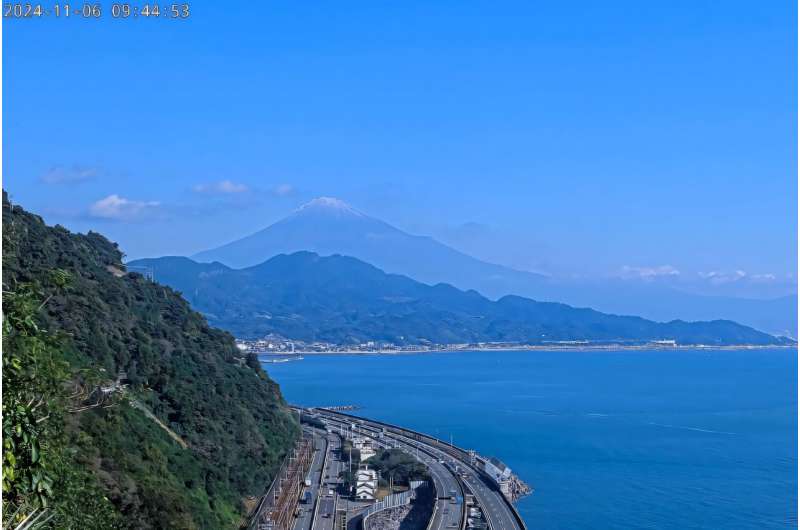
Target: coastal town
[278,345]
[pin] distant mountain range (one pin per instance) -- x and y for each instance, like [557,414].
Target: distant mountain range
[329,226]
[344,300]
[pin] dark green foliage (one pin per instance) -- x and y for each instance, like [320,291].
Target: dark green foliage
[32,374]
[343,300]
[42,480]
[191,376]
[397,465]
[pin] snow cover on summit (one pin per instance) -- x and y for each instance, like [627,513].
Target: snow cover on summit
[328,206]
[327,226]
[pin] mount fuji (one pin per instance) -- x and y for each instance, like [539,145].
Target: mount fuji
[329,226]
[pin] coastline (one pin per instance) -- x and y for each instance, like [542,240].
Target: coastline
[576,348]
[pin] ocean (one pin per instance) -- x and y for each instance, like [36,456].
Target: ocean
[608,439]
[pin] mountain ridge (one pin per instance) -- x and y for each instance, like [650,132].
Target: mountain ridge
[342,299]
[329,226]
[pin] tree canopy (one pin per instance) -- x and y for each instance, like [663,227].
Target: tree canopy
[157,418]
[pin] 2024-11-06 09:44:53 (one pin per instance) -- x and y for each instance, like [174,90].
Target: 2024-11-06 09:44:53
[24,10]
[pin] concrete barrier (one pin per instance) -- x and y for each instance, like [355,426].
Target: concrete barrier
[393,501]
[455,451]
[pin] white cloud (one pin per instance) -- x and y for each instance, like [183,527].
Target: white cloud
[764,277]
[121,209]
[283,190]
[649,273]
[221,187]
[65,175]
[723,277]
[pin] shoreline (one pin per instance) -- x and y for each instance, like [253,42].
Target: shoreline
[576,348]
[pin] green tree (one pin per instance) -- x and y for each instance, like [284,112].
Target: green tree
[32,374]
[195,430]
[42,487]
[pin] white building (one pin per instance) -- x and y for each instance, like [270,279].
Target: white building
[665,342]
[365,492]
[366,483]
[497,470]
[500,473]
[364,447]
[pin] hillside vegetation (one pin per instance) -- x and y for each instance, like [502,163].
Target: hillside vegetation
[341,299]
[195,428]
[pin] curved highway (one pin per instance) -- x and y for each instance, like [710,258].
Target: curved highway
[491,500]
[497,510]
[446,515]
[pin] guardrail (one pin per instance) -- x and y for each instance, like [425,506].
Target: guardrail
[488,520]
[435,504]
[455,451]
[319,486]
[433,515]
[393,501]
[458,482]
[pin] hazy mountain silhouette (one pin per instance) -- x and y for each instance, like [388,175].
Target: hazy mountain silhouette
[341,299]
[330,226]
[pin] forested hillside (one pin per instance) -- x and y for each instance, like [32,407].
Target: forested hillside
[187,432]
[344,300]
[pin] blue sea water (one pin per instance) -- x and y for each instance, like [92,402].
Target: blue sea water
[626,439]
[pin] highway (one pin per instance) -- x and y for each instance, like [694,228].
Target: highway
[330,482]
[447,515]
[491,500]
[496,509]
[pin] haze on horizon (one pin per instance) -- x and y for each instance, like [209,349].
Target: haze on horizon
[639,142]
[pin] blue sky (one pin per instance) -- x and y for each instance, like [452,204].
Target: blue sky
[585,138]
